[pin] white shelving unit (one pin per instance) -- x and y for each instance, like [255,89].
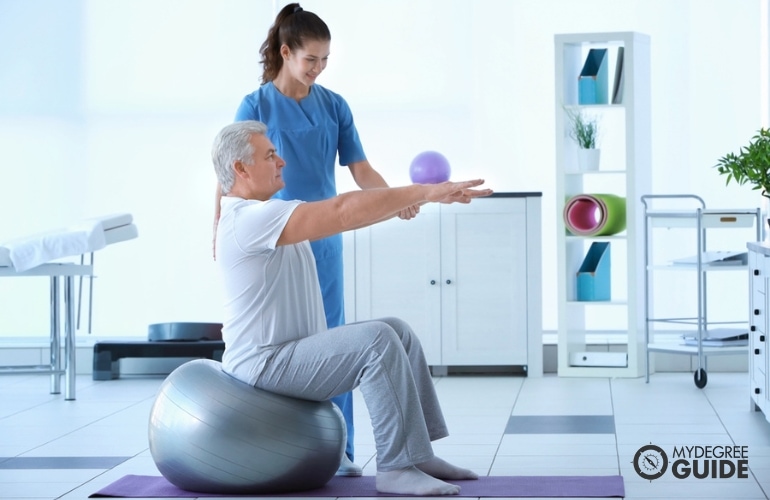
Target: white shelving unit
[625,171]
[704,233]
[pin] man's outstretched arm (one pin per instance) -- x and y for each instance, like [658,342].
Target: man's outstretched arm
[348,211]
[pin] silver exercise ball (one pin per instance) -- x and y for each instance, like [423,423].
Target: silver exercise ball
[212,433]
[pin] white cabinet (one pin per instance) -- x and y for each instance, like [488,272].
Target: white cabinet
[467,278]
[624,171]
[759,356]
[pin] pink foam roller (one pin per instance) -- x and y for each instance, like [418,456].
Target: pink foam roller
[583,215]
[595,214]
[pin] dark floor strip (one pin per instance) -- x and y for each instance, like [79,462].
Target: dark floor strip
[60,462]
[561,424]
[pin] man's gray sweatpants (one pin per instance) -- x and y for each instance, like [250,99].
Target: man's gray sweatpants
[386,359]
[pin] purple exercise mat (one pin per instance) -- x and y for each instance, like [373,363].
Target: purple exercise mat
[490,487]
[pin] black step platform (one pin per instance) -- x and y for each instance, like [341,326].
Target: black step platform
[166,340]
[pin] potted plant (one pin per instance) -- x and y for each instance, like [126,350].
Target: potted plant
[584,130]
[751,165]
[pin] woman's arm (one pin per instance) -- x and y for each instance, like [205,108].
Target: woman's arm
[217,209]
[366,177]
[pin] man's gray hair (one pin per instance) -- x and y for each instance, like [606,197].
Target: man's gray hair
[230,145]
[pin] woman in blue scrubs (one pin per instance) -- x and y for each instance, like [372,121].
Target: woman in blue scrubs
[310,127]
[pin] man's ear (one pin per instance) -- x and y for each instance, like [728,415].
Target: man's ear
[240,169]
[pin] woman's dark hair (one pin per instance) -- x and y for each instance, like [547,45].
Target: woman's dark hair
[293,27]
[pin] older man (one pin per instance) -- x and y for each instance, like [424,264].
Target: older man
[274,311]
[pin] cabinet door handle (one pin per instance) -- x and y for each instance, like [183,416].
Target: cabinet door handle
[756,351]
[756,272]
[756,312]
[756,390]
[432,282]
[753,328]
[448,282]
[761,338]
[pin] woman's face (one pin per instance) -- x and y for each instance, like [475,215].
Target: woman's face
[307,62]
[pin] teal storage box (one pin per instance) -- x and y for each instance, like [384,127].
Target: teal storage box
[593,80]
[593,278]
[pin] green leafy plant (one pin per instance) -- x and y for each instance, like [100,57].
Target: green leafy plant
[583,129]
[751,164]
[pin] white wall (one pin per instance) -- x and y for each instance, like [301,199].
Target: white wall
[111,106]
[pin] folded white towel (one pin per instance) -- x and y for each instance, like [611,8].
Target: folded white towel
[111,221]
[31,251]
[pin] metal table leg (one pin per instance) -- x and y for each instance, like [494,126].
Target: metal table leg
[69,341]
[55,339]
[56,366]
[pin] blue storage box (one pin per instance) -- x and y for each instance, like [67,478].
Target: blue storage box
[593,80]
[593,278]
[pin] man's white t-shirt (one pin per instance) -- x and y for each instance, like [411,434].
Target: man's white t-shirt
[272,294]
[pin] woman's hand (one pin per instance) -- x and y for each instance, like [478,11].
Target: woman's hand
[409,213]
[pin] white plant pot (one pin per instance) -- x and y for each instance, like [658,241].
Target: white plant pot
[588,159]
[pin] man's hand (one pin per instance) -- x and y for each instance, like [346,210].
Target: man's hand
[456,192]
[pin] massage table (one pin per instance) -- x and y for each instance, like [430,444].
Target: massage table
[50,254]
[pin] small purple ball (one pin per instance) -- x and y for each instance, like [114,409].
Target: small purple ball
[429,167]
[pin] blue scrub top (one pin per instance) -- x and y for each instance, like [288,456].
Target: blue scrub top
[308,135]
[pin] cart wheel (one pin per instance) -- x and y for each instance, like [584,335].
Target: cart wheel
[700,378]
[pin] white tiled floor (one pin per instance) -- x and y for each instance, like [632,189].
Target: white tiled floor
[109,419]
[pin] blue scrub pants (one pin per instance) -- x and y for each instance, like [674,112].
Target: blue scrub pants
[332,288]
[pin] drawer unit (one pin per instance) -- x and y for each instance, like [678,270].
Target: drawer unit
[759,326]
[757,366]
